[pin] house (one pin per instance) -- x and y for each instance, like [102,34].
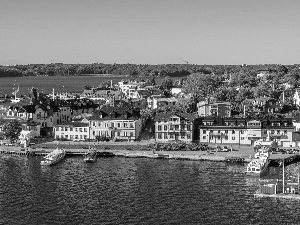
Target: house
[122,123]
[75,131]
[155,102]
[175,91]
[30,129]
[210,107]
[246,131]
[174,127]
[130,88]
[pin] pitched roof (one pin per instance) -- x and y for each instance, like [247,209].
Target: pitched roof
[185,116]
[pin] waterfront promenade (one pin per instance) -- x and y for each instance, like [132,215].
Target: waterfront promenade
[136,149]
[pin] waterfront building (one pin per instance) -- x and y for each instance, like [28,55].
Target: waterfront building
[210,107]
[75,131]
[174,127]
[246,131]
[122,123]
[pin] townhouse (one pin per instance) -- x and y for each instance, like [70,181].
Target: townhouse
[246,131]
[174,127]
[75,131]
[118,123]
[157,101]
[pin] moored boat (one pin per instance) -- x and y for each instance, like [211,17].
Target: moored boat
[90,156]
[259,165]
[53,157]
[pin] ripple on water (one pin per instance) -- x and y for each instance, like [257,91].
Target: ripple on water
[134,191]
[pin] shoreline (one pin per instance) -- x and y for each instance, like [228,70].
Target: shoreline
[238,155]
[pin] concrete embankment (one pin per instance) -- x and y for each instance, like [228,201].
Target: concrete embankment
[236,156]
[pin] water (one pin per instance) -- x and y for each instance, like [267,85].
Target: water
[134,191]
[73,84]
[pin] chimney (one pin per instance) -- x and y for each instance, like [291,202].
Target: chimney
[244,111]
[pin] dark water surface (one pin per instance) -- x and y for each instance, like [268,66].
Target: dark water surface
[134,191]
[73,84]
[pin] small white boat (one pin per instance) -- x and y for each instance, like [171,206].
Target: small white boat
[53,157]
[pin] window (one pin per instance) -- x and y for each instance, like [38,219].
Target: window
[278,131]
[171,127]
[66,129]
[171,136]
[85,129]
[119,124]
[94,133]
[242,138]
[226,131]
[165,136]
[204,131]
[233,138]
[80,129]
[242,131]
[204,137]
[118,134]
[76,129]
[210,131]
[226,137]
[176,127]
[80,136]
[131,125]
[71,137]
[94,124]
[112,124]
[233,132]
[285,131]
[272,131]
[182,136]
[99,124]
[125,133]
[188,136]
[66,136]
[125,125]
[62,129]
[165,127]
[265,132]
[131,134]
[188,127]
[76,136]
[218,137]
[219,131]
[159,127]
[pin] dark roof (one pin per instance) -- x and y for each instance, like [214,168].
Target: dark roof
[186,116]
[118,113]
[29,108]
[72,124]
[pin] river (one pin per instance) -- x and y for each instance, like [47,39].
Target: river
[134,191]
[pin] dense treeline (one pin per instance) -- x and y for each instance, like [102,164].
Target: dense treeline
[133,70]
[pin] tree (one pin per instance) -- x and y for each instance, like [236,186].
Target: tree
[12,130]
[167,83]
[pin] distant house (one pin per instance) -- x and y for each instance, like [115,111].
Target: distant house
[174,127]
[122,123]
[155,102]
[211,107]
[75,131]
[246,131]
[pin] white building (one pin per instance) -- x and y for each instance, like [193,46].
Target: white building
[74,131]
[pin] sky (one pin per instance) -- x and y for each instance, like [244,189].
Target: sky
[201,32]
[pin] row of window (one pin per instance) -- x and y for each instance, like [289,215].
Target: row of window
[226,138]
[118,134]
[171,136]
[71,129]
[242,131]
[105,124]
[173,127]
[72,136]
[242,124]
